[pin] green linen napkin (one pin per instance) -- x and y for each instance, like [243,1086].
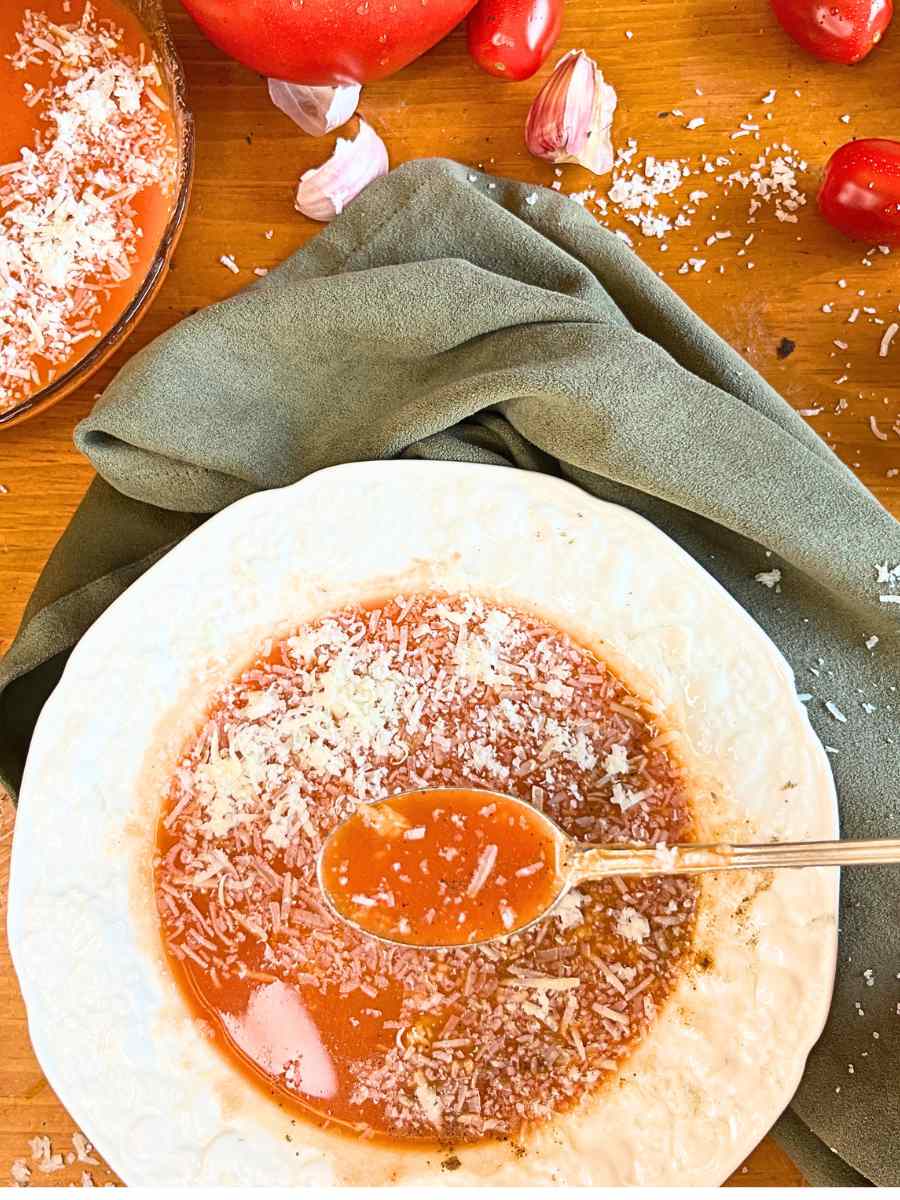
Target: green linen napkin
[448,315]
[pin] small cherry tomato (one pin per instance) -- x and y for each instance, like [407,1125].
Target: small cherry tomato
[511,38]
[841,31]
[860,193]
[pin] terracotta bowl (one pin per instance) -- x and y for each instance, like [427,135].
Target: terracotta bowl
[152,17]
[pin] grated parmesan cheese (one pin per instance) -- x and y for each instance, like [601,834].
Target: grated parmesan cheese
[616,762]
[83,1150]
[482,871]
[889,335]
[69,230]
[632,926]
[625,798]
[769,579]
[428,1101]
[366,704]
[20,1172]
[42,1153]
[50,1162]
[568,911]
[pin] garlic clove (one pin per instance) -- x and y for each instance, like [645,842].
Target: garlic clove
[325,191]
[570,119]
[559,118]
[598,154]
[316,110]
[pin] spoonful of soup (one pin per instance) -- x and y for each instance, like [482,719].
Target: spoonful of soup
[457,867]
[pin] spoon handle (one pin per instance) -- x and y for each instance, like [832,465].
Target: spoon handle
[598,862]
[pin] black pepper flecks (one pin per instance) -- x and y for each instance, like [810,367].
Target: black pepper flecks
[785,347]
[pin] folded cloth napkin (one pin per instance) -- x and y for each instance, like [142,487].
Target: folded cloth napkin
[448,315]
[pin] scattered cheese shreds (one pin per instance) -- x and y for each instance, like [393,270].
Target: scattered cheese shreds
[889,335]
[632,926]
[340,715]
[482,871]
[20,1172]
[625,798]
[616,762]
[769,579]
[879,433]
[83,1150]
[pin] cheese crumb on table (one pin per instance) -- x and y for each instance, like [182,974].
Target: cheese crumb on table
[47,1161]
[889,335]
[769,579]
[20,1172]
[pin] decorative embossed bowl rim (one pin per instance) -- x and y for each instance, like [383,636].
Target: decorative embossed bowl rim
[106,1019]
[153,18]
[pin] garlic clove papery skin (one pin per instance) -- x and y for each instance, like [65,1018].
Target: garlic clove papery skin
[571,117]
[325,191]
[316,110]
[559,119]
[598,154]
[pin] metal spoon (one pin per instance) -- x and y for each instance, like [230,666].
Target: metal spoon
[580,862]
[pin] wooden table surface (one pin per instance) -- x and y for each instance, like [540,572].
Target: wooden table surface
[250,156]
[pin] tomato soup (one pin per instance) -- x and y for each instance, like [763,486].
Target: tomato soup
[88,172]
[442,868]
[400,1042]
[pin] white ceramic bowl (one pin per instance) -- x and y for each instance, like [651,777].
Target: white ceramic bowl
[106,1019]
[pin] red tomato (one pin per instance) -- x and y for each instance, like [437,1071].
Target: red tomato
[511,38]
[842,31]
[860,193]
[326,42]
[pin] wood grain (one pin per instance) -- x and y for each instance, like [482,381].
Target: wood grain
[250,156]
